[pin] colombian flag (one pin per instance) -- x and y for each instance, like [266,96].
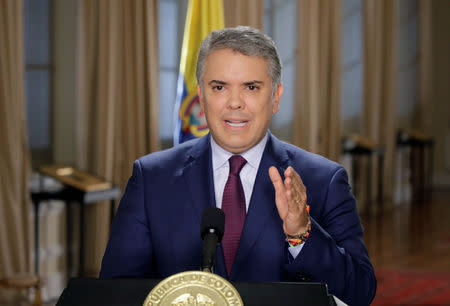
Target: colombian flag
[203,16]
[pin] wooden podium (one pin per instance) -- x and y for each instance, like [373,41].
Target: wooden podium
[134,291]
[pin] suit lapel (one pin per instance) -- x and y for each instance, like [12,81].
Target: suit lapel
[262,203]
[198,175]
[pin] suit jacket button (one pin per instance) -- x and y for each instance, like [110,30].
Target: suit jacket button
[303,278]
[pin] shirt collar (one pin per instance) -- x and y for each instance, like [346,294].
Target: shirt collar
[253,156]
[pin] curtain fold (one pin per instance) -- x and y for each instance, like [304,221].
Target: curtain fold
[117,98]
[248,13]
[380,79]
[14,153]
[316,124]
[423,114]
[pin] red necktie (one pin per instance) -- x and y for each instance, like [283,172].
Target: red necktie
[233,205]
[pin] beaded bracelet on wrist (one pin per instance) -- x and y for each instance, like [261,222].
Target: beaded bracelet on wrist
[300,239]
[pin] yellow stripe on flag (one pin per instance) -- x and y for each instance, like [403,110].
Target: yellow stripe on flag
[203,16]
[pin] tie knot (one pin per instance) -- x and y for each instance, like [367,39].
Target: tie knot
[236,164]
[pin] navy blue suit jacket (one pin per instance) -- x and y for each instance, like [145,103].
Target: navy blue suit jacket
[156,231]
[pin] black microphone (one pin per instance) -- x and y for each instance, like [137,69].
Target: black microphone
[211,230]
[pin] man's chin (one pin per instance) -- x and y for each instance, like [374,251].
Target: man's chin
[237,147]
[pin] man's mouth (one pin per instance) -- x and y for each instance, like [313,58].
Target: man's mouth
[236,123]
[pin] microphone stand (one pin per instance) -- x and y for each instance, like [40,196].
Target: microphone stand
[210,242]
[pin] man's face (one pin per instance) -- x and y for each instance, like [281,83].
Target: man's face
[237,99]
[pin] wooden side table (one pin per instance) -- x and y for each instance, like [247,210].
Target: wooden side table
[24,281]
[78,188]
[360,148]
[420,157]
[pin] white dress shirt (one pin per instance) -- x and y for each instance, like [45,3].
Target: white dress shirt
[221,169]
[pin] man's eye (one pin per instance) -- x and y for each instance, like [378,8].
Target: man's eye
[252,87]
[218,87]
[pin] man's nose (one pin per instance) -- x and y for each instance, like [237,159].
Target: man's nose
[236,100]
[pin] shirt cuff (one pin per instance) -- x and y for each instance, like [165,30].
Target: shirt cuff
[295,250]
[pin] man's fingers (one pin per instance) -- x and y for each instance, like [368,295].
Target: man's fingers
[280,191]
[289,172]
[294,184]
[299,190]
[297,176]
[290,199]
[275,177]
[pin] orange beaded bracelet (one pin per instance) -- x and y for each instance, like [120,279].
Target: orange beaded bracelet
[300,239]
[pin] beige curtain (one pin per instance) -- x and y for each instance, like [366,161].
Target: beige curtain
[423,116]
[316,121]
[117,98]
[14,155]
[248,12]
[380,53]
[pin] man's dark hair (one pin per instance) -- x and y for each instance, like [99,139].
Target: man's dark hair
[246,40]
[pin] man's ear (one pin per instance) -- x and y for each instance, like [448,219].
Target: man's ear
[276,98]
[200,97]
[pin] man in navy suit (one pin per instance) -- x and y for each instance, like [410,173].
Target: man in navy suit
[301,221]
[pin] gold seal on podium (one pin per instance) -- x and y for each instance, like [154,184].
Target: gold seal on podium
[193,288]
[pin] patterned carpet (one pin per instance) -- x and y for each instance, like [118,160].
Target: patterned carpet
[407,287]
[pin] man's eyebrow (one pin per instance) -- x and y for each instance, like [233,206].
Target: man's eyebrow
[254,82]
[217,82]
